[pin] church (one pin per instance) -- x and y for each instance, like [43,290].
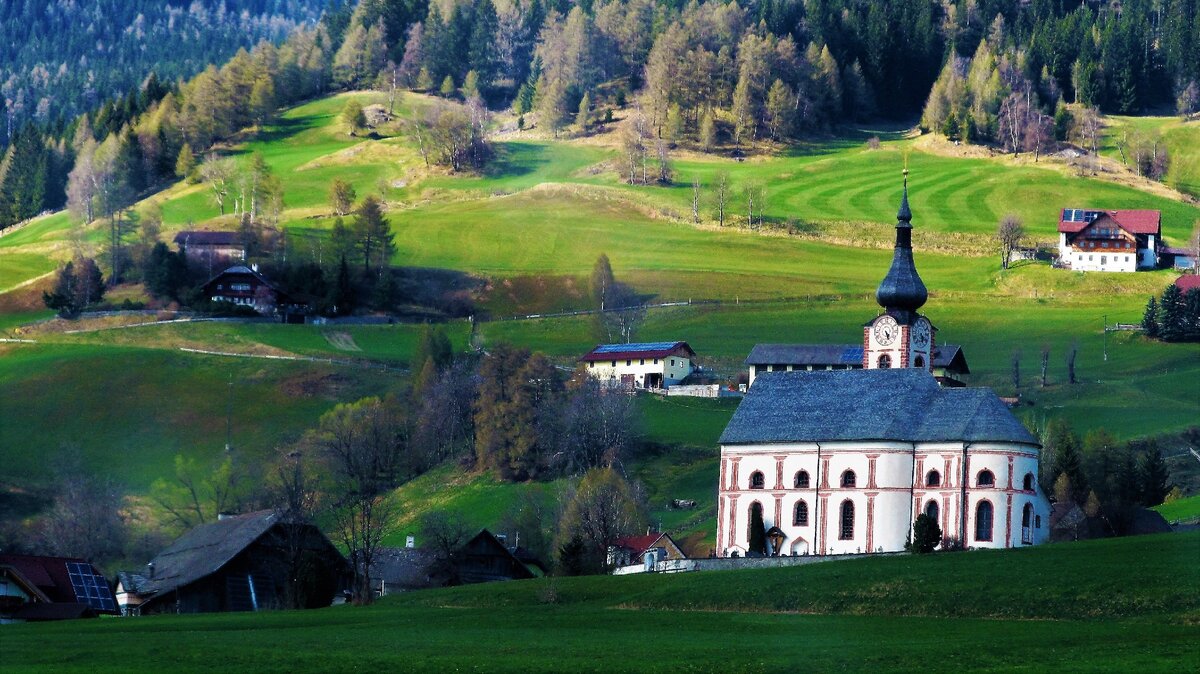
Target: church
[842,461]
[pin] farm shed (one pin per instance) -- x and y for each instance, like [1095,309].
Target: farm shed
[649,365]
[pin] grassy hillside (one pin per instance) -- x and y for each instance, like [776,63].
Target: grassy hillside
[1183,510]
[1116,605]
[532,226]
[131,410]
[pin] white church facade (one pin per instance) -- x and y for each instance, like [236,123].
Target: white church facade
[844,461]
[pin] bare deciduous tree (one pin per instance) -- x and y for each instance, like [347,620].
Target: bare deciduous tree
[1009,233]
[362,445]
[721,195]
[1045,363]
[220,174]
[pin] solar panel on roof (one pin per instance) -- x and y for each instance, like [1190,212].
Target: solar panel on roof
[90,589]
[646,346]
[852,355]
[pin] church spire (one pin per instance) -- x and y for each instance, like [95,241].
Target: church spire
[902,292]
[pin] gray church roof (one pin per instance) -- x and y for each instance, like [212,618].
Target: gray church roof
[949,356]
[902,405]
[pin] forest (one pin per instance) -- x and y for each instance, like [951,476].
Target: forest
[773,69]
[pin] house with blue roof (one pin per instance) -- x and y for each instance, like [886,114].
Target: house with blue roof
[839,449]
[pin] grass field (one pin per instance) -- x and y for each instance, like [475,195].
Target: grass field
[1182,141]
[1183,510]
[1116,605]
[131,410]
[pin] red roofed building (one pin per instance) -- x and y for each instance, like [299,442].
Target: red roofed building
[641,365]
[1188,282]
[35,588]
[1098,240]
[650,549]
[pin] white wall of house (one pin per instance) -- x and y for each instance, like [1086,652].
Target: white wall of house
[673,369]
[889,492]
[1097,260]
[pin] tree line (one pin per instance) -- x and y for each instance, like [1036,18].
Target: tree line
[67,58]
[1174,316]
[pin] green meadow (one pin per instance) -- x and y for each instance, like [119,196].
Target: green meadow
[531,226]
[1065,607]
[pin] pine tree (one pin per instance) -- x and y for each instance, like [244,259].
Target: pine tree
[1068,460]
[470,87]
[424,80]
[1153,476]
[1150,319]
[447,89]
[375,239]
[583,118]
[185,165]
[1171,315]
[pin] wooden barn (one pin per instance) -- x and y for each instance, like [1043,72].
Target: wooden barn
[244,286]
[239,563]
[206,246]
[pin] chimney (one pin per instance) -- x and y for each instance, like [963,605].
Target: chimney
[410,542]
[150,570]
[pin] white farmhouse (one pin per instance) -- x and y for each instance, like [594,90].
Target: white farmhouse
[643,365]
[843,461]
[1096,240]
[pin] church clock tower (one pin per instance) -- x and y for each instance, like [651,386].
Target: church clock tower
[900,336]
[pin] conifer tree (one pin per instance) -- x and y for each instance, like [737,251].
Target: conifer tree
[185,164]
[447,88]
[1150,319]
[583,118]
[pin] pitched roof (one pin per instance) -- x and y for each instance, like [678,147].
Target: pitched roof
[1073,220]
[1188,282]
[242,269]
[638,544]
[949,356]
[404,568]
[637,350]
[207,238]
[805,354]
[902,405]
[205,549]
[64,580]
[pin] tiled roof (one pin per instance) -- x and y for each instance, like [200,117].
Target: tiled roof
[638,544]
[902,405]
[1188,282]
[207,238]
[637,350]
[1073,220]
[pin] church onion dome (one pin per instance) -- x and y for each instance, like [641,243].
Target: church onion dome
[902,289]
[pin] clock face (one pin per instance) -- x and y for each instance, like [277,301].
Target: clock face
[921,333]
[886,330]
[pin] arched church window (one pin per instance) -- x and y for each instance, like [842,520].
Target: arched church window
[847,531]
[757,480]
[885,362]
[848,479]
[931,509]
[983,521]
[802,479]
[1028,486]
[986,479]
[933,479]
[919,361]
[800,518]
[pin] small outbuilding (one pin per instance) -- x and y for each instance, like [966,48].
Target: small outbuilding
[643,365]
[649,549]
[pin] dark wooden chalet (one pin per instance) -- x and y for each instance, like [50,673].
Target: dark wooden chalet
[241,563]
[486,558]
[246,287]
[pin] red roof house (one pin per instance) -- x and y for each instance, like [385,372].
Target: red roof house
[631,550]
[33,587]
[1112,240]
